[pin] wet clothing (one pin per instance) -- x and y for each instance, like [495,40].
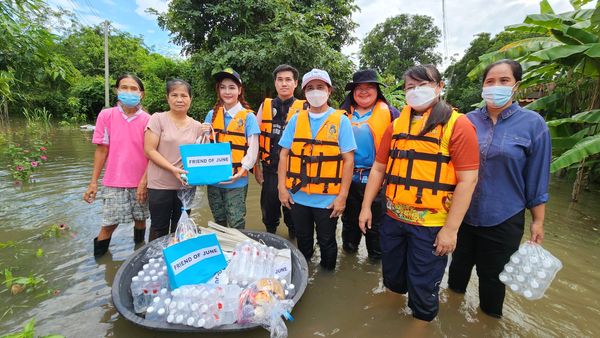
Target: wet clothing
[488,248]
[228,206]
[351,234]
[306,221]
[120,205]
[165,211]
[515,156]
[409,264]
[271,205]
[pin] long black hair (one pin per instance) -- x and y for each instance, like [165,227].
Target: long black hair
[349,101]
[441,112]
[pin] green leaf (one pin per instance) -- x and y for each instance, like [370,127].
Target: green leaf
[545,7]
[546,103]
[39,252]
[584,148]
[594,51]
[592,116]
[559,122]
[578,3]
[560,52]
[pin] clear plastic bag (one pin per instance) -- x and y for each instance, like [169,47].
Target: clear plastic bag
[530,270]
[186,227]
[263,303]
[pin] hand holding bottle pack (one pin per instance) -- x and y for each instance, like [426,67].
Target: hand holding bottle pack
[530,270]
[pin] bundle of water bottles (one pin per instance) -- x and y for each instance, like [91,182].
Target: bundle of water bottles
[530,270]
[250,292]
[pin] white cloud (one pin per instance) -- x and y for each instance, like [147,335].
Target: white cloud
[464,19]
[143,5]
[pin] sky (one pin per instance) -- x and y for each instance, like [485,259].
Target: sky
[464,18]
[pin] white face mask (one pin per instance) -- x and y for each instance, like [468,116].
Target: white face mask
[419,98]
[317,98]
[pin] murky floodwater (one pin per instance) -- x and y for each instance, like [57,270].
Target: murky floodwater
[348,303]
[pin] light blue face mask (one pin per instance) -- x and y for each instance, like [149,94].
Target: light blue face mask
[129,99]
[497,96]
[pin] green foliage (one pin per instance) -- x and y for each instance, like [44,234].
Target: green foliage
[37,115]
[29,332]
[399,43]
[254,37]
[394,92]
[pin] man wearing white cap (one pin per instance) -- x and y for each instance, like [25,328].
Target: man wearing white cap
[315,168]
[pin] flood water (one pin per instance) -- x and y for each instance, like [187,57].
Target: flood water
[351,302]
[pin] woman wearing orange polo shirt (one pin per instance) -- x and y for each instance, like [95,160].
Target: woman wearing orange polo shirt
[429,158]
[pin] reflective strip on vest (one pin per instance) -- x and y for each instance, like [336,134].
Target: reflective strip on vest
[235,134]
[420,172]
[266,127]
[315,164]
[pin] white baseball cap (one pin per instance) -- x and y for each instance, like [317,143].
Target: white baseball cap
[316,74]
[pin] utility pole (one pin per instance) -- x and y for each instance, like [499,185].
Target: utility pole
[106,85]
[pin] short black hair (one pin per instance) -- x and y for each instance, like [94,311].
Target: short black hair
[285,68]
[178,82]
[515,67]
[129,76]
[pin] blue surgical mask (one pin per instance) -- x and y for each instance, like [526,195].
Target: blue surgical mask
[497,96]
[129,99]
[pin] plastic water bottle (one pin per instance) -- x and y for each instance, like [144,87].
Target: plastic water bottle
[146,292]
[136,294]
[170,319]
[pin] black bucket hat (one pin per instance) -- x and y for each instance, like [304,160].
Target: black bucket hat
[228,73]
[364,76]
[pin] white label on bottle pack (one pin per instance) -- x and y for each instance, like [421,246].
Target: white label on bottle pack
[194,257]
[206,161]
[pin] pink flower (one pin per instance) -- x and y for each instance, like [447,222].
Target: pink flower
[44,158]
[43,148]
[34,164]
[19,168]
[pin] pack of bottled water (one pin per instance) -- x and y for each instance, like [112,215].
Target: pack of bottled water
[251,261]
[149,282]
[203,305]
[530,270]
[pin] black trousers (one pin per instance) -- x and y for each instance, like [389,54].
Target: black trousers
[165,211]
[488,249]
[305,218]
[351,234]
[271,206]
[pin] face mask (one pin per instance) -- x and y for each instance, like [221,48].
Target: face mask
[129,99]
[317,98]
[419,98]
[497,96]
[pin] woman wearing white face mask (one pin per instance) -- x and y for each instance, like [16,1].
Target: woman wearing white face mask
[515,152]
[429,159]
[315,168]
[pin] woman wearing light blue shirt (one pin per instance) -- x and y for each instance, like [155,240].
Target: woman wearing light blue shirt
[515,154]
[315,168]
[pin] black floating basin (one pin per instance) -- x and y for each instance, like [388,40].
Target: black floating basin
[123,301]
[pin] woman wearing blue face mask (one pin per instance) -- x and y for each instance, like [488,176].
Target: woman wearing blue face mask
[515,153]
[119,139]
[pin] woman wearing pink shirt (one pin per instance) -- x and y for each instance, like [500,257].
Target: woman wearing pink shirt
[119,136]
[165,132]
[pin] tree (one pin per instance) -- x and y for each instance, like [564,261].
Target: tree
[462,91]
[567,52]
[400,42]
[254,37]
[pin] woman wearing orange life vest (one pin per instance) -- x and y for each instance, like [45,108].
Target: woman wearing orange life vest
[315,168]
[370,115]
[429,158]
[233,121]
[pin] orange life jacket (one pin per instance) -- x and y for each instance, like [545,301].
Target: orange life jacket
[265,146]
[315,164]
[420,172]
[234,134]
[380,119]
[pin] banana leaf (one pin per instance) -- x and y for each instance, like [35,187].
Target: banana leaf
[584,148]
